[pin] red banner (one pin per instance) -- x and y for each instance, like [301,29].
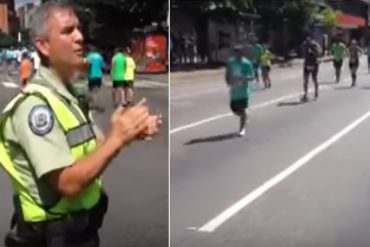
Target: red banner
[350,20]
[155,53]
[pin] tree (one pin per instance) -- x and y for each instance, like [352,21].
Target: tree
[241,5]
[113,20]
[327,16]
[6,40]
[283,21]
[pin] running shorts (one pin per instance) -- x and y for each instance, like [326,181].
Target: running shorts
[354,64]
[95,83]
[118,84]
[266,69]
[238,106]
[311,69]
[129,84]
[338,63]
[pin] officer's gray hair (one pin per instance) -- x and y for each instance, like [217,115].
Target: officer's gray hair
[39,19]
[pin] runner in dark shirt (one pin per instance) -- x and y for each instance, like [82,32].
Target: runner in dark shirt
[311,54]
[354,60]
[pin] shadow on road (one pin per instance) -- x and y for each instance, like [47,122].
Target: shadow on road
[327,83]
[216,138]
[343,88]
[291,103]
[98,109]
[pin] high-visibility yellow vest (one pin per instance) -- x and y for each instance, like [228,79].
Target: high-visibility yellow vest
[81,140]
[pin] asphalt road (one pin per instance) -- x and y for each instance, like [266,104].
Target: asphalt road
[136,181]
[300,176]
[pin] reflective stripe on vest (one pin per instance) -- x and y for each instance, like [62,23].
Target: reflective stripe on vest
[81,140]
[81,134]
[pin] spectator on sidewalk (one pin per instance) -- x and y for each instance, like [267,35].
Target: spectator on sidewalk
[129,77]
[9,54]
[25,69]
[118,71]
[35,60]
[368,56]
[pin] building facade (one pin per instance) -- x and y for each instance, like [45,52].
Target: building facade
[9,21]
[24,13]
[205,35]
[4,24]
[9,3]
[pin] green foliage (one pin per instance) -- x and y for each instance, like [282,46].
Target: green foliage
[6,40]
[296,12]
[241,5]
[111,21]
[328,17]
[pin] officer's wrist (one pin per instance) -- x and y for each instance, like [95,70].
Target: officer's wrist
[114,143]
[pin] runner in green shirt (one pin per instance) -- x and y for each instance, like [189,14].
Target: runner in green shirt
[338,50]
[118,70]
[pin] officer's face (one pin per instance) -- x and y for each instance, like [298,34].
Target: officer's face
[63,45]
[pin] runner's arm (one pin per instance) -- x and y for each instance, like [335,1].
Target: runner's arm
[319,50]
[227,75]
[360,50]
[331,50]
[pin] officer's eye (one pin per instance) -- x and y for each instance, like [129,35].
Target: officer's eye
[68,30]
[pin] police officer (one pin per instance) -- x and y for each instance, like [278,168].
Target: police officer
[50,148]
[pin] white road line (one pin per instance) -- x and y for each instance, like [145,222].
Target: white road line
[221,89]
[258,106]
[9,84]
[213,224]
[291,75]
[142,84]
[153,83]
[207,120]
[201,92]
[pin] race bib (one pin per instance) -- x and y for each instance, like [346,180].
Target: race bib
[237,80]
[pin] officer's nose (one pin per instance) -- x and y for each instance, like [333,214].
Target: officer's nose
[77,36]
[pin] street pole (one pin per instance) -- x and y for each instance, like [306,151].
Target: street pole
[19,38]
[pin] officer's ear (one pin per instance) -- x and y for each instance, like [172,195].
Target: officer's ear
[42,46]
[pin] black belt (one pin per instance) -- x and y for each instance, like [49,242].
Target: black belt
[73,227]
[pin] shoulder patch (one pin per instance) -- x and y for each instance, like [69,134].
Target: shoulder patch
[41,120]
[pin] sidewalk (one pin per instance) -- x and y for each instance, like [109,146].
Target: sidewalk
[163,77]
[180,76]
[147,81]
[155,78]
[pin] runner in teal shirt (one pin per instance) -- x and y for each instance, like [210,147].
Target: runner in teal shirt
[95,75]
[239,72]
[97,65]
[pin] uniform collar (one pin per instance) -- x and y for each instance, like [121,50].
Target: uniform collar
[48,78]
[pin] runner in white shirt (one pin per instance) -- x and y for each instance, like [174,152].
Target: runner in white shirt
[18,55]
[36,60]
